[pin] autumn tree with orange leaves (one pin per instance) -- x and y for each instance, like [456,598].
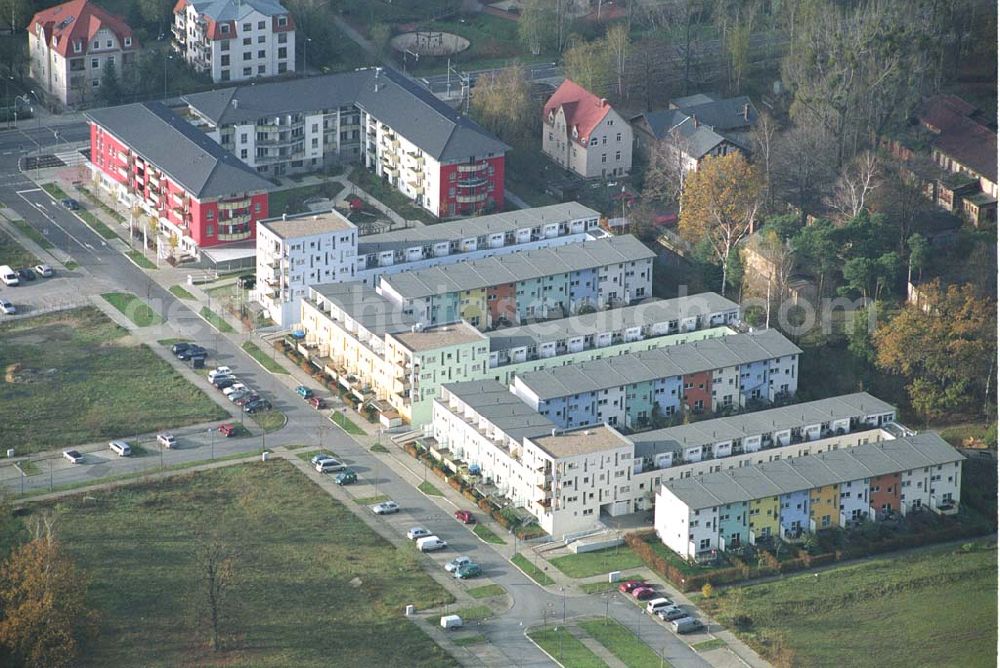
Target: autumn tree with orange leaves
[720,202]
[945,348]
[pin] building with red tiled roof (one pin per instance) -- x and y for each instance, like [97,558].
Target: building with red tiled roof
[72,44]
[235,40]
[584,134]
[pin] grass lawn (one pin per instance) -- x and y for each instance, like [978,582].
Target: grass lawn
[11,253]
[486,534]
[70,266]
[378,447]
[54,190]
[215,320]
[429,489]
[957,434]
[473,639]
[371,500]
[389,196]
[83,379]
[486,591]
[33,234]
[293,200]
[598,587]
[140,259]
[345,423]
[566,649]
[295,579]
[526,174]
[251,348]
[532,571]
[602,561]
[622,642]
[134,308]
[674,559]
[474,613]
[940,604]
[102,229]
[708,645]
[28,467]
[270,420]
[181,293]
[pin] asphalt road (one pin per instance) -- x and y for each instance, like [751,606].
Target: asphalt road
[102,262]
[439,83]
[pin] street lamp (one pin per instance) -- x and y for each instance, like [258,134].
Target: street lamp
[166,57]
[305,55]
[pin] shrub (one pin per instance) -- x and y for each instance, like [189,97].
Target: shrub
[707,590]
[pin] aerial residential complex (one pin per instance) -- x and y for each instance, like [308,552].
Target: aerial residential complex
[369,344]
[786,498]
[232,40]
[71,47]
[146,156]
[545,283]
[701,376]
[437,157]
[375,255]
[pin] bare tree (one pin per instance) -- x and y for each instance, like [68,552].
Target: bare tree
[767,268]
[802,166]
[855,185]
[664,178]
[763,148]
[218,574]
[617,41]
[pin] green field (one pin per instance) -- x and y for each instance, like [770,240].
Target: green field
[302,594]
[566,649]
[11,253]
[345,423]
[622,642]
[934,608]
[261,357]
[81,378]
[429,489]
[486,591]
[532,571]
[134,308]
[601,561]
[179,292]
[140,259]
[33,234]
[486,534]
[215,320]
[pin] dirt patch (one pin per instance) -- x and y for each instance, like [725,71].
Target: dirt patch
[17,373]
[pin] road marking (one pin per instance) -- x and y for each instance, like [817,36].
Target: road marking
[52,220]
[33,190]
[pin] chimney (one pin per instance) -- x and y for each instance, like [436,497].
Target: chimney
[235,103]
[695,120]
[284,216]
[555,432]
[604,102]
[746,113]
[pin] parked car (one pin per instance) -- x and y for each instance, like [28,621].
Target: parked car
[235,387]
[73,455]
[656,604]
[319,403]
[257,406]
[303,391]
[466,571]
[222,382]
[671,613]
[431,544]
[6,307]
[120,448]
[26,274]
[346,477]
[457,563]
[70,204]
[465,517]
[167,440]
[385,508]
[322,456]
[180,347]
[239,394]
[643,593]
[330,466]
[219,371]
[9,276]
[191,351]
[417,532]
[227,429]
[44,270]
[686,625]
[244,400]
[629,585]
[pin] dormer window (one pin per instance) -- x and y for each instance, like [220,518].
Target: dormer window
[576,132]
[552,116]
[282,21]
[128,41]
[224,29]
[97,44]
[78,46]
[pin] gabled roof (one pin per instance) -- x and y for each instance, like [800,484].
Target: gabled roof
[183,152]
[235,10]
[702,122]
[645,366]
[959,136]
[78,20]
[411,110]
[583,109]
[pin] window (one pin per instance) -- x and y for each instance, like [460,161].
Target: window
[224,29]
[97,44]
[604,157]
[618,155]
[260,69]
[225,75]
[94,63]
[282,21]
[247,71]
[225,60]
[210,215]
[225,45]
[243,154]
[282,67]
[110,44]
[247,55]
[261,39]
[261,53]
[128,41]
[247,27]
[282,38]
[260,25]
[282,52]
[619,137]
[210,230]
[593,142]
[95,83]
[604,139]
[247,41]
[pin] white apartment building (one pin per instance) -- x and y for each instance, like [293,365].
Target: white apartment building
[296,252]
[235,40]
[71,45]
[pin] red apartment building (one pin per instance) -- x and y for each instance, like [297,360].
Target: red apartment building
[149,157]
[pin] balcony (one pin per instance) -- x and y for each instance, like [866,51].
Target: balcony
[471,199]
[473,183]
[468,169]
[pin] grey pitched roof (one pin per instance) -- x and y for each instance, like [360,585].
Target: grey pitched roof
[697,98]
[682,359]
[520,266]
[803,473]
[717,121]
[465,228]
[410,109]
[612,320]
[370,309]
[184,153]
[723,115]
[505,411]
[718,430]
[234,10]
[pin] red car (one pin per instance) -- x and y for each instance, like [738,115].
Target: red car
[643,593]
[227,429]
[317,402]
[465,517]
[629,586]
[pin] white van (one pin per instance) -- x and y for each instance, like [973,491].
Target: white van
[686,625]
[9,276]
[166,440]
[431,543]
[451,622]
[329,466]
[120,448]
